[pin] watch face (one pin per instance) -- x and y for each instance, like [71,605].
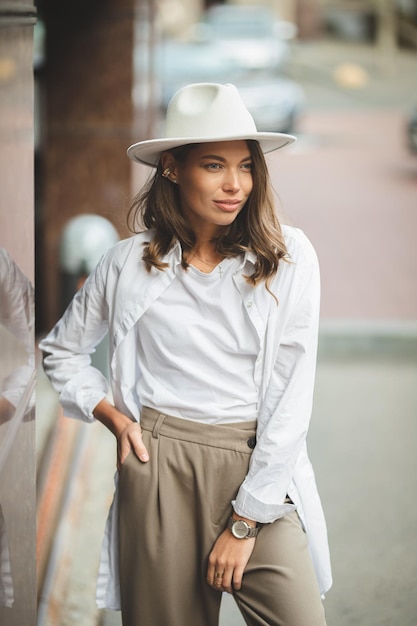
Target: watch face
[240,529]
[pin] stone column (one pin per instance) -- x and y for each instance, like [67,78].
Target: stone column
[88,78]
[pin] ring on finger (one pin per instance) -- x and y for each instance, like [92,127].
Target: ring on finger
[218,575]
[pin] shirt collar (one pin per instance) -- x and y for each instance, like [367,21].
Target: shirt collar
[175,256]
[250,256]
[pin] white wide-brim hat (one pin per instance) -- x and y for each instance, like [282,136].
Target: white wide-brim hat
[201,113]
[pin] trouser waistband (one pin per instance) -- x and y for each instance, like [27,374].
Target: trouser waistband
[239,436]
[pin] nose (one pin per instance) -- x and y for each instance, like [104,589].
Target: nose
[231,180]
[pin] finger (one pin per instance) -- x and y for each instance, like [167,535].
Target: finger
[140,450]
[210,574]
[211,569]
[137,445]
[227,580]
[237,578]
[218,580]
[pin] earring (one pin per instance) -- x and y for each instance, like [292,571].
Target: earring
[166,172]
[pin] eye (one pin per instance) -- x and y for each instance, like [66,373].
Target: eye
[247,167]
[212,166]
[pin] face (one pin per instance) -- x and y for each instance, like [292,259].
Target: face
[214,182]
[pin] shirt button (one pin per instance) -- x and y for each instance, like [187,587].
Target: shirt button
[249,304]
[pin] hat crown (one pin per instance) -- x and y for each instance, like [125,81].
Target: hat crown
[202,113]
[208,110]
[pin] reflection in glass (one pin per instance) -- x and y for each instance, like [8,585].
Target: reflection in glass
[17,343]
[6,579]
[17,372]
[17,393]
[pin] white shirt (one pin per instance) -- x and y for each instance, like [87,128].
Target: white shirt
[115,297]
[197,349]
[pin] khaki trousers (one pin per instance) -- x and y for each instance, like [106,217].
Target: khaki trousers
[171,511]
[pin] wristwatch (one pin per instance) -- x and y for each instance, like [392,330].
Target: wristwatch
[241,529]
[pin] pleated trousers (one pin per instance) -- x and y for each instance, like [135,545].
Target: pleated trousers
[171,511]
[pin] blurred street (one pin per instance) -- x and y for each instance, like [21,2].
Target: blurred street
[350,183]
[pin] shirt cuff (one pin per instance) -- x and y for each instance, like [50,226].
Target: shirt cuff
[263,513]
[79,398]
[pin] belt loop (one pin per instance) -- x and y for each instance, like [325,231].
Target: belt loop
[158,424]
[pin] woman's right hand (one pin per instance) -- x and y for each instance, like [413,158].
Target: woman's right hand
[130,439]
[127,433]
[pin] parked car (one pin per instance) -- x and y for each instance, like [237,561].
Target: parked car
[251,36]
[274,100]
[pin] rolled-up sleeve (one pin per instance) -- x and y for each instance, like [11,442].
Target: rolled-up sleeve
[286,409]
[67,350]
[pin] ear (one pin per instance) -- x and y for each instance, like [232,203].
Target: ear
[168,161]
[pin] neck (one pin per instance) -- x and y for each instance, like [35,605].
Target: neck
[204,256]
[206,250]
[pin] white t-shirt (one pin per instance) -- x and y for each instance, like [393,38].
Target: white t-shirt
[197,349]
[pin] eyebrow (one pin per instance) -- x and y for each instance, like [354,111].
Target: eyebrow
[222,159]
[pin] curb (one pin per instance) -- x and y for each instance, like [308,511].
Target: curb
[374,338]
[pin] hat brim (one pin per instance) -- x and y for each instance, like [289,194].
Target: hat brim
[148,152]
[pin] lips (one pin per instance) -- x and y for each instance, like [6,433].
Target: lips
[227,205]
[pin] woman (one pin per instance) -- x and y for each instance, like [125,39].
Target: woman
[212,311]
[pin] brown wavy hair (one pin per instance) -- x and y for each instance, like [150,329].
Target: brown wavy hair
[257,228]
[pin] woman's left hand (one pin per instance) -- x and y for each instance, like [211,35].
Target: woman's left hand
[227,562]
